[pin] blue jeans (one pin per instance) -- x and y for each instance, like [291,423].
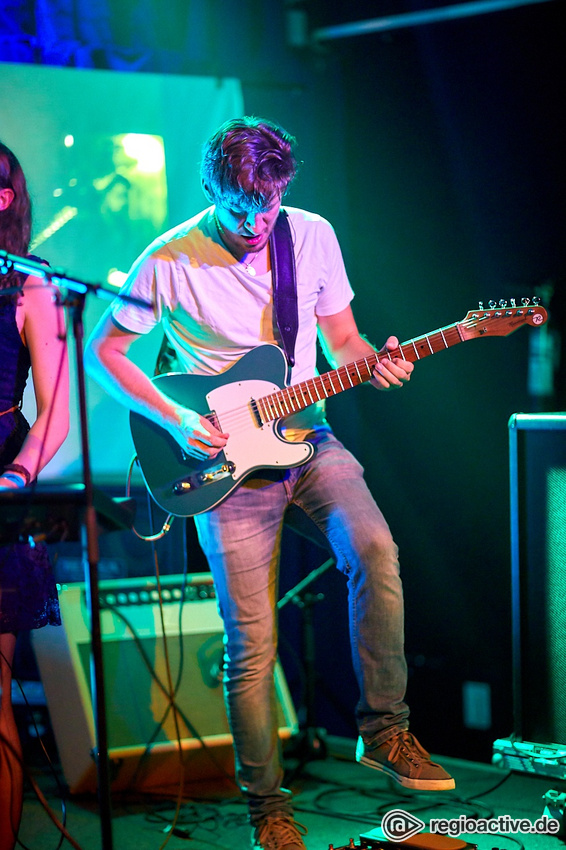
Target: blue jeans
[241,539]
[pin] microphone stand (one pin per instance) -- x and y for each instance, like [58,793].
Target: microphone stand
[74,301]
[310,743]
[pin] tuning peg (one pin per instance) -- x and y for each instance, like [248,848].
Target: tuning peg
[480,305]
[493,305]
[525,302]
[503,302]
[513,302]
[536,300]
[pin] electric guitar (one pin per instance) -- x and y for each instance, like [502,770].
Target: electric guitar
[249,400]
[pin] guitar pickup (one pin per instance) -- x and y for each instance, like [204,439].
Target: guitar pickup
[208,476]
[215,473]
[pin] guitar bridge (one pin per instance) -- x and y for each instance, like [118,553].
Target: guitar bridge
[199,479]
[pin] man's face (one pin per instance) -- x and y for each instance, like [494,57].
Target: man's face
[246,232]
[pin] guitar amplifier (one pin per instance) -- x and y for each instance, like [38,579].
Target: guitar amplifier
[143,741]
[537,453]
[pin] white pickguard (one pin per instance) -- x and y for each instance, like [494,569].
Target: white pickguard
[251,446]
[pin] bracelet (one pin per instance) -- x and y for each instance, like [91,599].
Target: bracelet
[16,479]
[21,470]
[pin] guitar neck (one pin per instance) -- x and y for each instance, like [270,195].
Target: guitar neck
[299,396]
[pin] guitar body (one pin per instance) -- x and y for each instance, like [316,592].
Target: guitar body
[183,486]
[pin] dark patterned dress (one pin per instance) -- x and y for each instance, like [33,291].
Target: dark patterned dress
[28,594]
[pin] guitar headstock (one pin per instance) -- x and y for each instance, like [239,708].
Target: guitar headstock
[502,318]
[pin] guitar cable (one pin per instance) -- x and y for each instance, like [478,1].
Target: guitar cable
[169,688]
[164,689]
[150,538]
[171,693]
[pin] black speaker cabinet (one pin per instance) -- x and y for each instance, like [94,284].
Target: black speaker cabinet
[143,744]
[537,445]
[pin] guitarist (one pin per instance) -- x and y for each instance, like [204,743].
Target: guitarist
[210,283]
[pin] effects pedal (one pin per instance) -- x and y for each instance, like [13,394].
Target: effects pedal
[423,841]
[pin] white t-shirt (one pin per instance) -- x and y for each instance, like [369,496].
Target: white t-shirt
[213,311]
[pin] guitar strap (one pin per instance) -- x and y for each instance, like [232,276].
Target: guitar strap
[284,285]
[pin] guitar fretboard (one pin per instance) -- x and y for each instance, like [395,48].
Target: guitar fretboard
[299,396]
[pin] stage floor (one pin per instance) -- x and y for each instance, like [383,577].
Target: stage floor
[336,799]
